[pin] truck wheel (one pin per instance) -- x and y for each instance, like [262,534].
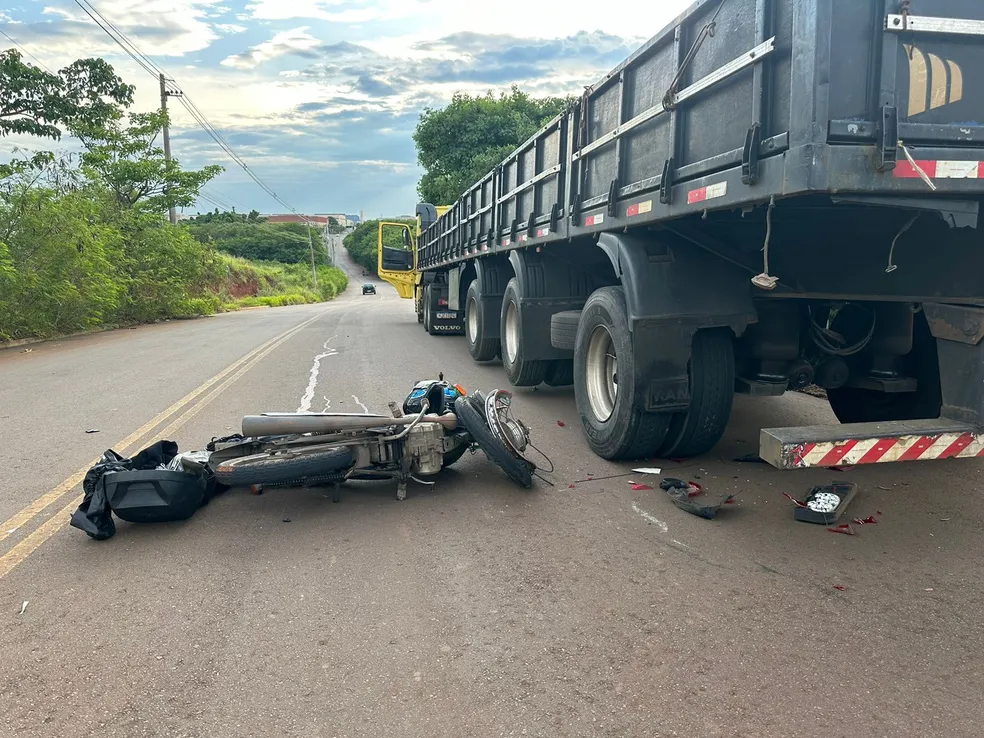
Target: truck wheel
[560,373]
[480,347]
[520,373]
[856,405]
[712,394]
[613,415]
[420,307]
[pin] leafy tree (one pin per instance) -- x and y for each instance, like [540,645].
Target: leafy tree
[362,242]
[461,143]
[124,157]
[38,103]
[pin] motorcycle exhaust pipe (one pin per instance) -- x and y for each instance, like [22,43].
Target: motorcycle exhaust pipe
[288,424]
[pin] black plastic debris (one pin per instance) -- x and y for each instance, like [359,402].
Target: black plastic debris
[683,495]
[155,485]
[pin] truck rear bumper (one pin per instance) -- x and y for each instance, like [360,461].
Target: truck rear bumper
[869,443]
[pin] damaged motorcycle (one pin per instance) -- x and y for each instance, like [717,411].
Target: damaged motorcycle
[436,425]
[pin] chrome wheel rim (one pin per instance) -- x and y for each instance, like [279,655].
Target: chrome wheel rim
[512,332]
[601,374]
[472,318]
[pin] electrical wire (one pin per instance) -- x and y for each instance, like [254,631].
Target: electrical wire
[153,69]
[25,51]
[833,343]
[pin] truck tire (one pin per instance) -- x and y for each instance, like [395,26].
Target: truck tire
[471,412]
[325,465]
[560,373]
[480,347]
[857,405]
[419,307]
[712,394]
[613,415]
[563,329]
[521,373]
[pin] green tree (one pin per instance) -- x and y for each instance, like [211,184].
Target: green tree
[461,143]
[125,157]
[38,103]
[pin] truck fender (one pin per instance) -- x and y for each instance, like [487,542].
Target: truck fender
[668,280]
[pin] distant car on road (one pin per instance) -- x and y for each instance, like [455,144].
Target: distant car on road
[368,289]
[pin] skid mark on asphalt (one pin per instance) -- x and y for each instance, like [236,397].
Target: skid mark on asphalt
[308,397]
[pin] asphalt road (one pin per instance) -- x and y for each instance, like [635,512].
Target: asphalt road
[473,608]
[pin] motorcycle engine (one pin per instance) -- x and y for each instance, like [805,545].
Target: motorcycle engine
[425,444]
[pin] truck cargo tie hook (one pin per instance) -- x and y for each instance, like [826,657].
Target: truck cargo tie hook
[669,99]
[891,254]
[764,280]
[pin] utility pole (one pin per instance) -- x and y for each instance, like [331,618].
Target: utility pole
[314,269]
[172,215]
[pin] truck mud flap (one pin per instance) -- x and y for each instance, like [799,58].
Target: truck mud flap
[826,446]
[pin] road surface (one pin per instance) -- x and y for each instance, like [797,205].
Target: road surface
[474,608]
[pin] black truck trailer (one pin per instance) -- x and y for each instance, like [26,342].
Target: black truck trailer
[769,194]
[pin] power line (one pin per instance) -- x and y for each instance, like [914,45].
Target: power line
[189,105]
[26,52]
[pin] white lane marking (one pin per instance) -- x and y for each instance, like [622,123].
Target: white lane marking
[651,518]
[327,404]
[308,397]
[358,402]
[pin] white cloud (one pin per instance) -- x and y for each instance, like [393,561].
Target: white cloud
[286,42]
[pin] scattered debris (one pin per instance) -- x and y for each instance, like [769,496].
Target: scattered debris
[750,459]
[844,528]
[92,430]
[928,589]
[572,486]
[648,470]
[561,423]
[286,520]
[681,492]
[825,505]
[870,520]
[24,607]
[886,489]
[942,520]
[602,479]
[840,587]
[796,502]
[641,488]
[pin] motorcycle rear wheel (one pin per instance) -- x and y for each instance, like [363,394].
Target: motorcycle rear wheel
[284,471]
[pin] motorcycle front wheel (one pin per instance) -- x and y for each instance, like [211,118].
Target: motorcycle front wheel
[284,470]
[471,414]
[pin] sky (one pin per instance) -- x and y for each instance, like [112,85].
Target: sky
[321,97]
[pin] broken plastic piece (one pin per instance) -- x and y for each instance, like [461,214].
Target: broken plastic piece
[794,500]
[641,487]
[92,430]
[870,520]
[844,528]
[572,486]
[561,423]
[680,493]
[825,505]
[840,587]
[648,470]
[24,607]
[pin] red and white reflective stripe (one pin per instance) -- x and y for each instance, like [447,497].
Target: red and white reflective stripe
[884,450]
[543,232]
[523,238]
[943,169]
[593,220]
[639,208]
[707,193]
[506,242]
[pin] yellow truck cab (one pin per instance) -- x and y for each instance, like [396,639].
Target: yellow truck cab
[396,248]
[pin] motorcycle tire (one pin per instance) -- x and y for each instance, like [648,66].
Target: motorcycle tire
[285,470]
[471,415]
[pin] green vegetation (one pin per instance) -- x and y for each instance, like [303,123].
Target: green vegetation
[254,238]
[83,240]
[362,242]
[461,143]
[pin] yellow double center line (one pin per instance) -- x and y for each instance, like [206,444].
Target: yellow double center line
[217,384]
